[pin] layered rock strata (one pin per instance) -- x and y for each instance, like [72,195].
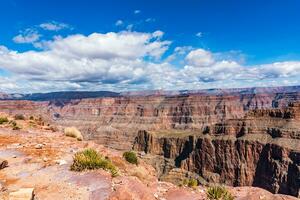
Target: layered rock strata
[261,149]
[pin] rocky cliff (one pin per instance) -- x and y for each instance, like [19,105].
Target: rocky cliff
[260,149]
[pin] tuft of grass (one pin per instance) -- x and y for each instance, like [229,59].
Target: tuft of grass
[190,182]
[19,117]
[90,159]
[130,157]
[218,193]
[73,132]
[3,120]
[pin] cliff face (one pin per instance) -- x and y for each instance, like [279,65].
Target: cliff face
[261,149]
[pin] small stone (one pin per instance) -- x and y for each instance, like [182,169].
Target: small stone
[14,156]
[143,153]
[45,159]
[39,146]
[22,194]
[262,197]
[61,162]
[155,195]
[3,163]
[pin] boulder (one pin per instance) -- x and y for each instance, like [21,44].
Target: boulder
[22,194]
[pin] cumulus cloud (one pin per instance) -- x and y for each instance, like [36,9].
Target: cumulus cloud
[54,26]
[27,36]
[111,58]
[200,58]
[129,60]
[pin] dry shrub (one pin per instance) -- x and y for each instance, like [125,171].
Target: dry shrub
[73,132]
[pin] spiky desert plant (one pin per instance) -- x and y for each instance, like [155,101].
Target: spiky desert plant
[190,182]
[218,193]
[90,159]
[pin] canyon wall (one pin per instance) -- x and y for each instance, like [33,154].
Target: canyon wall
[261,149]
[237,139]
[116,121]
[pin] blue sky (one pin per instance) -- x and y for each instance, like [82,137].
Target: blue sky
[191,44]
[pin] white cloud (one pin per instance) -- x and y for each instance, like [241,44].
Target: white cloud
[27,36]
[112,58]
[199,34]
[131,60]
[150,19]
[129,27]
[137,12]
[200,58]
[158,34]
[54,26]
[119,23]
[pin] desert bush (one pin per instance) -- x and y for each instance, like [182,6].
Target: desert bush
[190,182]
[3,120]
[218,193]
[19,117]
[130,157]
[31,118]
[73,132]
[90,159]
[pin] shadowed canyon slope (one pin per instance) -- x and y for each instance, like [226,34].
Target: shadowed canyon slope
[237,137]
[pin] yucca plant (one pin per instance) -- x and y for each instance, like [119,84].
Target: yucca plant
[218,193]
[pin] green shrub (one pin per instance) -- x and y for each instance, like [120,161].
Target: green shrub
[90,159]
[190,182]
[3,120]
[19,117]
[218,193]
[130,157]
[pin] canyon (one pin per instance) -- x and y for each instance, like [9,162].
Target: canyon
[237,137]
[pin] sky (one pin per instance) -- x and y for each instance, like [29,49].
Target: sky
[120,45]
